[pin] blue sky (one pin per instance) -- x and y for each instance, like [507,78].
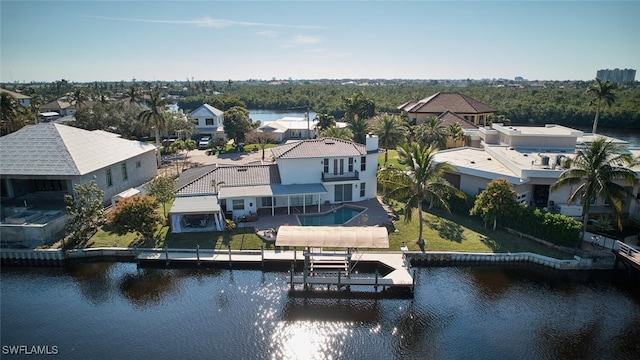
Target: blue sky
[220,40]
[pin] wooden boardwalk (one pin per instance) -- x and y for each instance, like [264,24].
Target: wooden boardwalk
[627,254]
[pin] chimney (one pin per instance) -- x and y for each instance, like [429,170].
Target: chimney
[372,143]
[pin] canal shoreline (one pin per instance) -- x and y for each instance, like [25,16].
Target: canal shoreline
[282,259]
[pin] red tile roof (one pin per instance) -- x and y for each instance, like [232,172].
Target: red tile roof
[443,101]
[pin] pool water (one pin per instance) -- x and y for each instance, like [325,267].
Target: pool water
[338,216]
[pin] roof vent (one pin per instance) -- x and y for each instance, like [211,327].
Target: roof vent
[242,169]
[488,158]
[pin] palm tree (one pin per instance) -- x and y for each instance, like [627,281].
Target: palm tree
[12,116]
[325,121]
[601,91]
[134,94]
[360,129]
[153,117]
[457,133]
[216,185]
[78,97]
[419,182]
[433,132]
[338,133]
[597,170]
[390,132]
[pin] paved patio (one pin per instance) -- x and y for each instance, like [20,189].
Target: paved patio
[376,214]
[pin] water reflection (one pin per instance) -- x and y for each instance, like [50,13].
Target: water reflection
[457,313]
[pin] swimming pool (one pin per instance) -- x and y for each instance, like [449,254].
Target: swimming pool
[337,216]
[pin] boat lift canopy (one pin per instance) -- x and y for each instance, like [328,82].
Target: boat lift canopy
[333,236]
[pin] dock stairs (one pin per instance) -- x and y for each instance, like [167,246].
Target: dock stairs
[324,265]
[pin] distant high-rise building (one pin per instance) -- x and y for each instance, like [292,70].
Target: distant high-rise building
[616,75]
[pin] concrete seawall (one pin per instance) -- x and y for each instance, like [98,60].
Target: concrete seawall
[55,257]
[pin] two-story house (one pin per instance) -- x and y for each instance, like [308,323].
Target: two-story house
[209,121]
[305,175]
[23,99]
[466,109]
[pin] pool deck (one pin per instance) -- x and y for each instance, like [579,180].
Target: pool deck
[376,214]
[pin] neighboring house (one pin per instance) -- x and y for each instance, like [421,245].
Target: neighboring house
[24,100]
[471,110]
[305,174]
[47,160]
[209,121]
[290,128]
[63,108]
[530,158]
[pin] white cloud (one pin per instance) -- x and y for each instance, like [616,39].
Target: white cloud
[268,33]
[301,39]
[208,22]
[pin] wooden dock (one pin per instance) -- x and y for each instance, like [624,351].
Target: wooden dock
[627,254]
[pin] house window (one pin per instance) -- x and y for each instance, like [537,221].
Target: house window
[125,176]
[238,204]
[363,163]
[208,122]
[326,166]
[138,164]
[267,201]
[109,178]
[335,166]
[350,164]
[343,193]
[341,166]
[362,189]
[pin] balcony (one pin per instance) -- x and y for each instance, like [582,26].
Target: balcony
[351,175]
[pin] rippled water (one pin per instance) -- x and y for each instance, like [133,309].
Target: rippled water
[118,311]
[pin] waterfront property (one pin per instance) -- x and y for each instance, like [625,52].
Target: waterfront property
[444,104]
[39,164]
[531,158]
[289,128]
[209,121]
[304,175]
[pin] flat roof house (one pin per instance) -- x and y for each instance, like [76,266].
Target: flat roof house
[305,174]
[531,158]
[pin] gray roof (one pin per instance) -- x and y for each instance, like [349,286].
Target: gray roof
[318,148]
[272,190]
[195,205]
[56,149]
[249,175]
[205,110]
[15,94]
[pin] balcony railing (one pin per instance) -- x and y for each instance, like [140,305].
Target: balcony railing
[351,175]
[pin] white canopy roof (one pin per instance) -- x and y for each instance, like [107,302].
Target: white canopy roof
[195,205]
[333,236]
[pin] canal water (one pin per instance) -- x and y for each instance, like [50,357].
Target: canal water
[117,311]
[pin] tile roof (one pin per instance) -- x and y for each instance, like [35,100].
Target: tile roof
[56,105]
[56,149]
[206,110]
[443,101]
[318,148]
[250,175]
[449,117]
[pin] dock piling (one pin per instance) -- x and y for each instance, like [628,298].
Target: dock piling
[198,254]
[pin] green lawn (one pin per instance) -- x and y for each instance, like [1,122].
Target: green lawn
[392,159]
[450,232]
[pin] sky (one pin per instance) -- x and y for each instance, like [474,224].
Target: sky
[83,41]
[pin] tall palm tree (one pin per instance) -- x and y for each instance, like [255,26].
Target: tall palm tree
[134,94]
[358,105]
[433,132]
[390,132]
[338,133]
[153,117]
[598,171]
[78,97]
[601,92]
[421,181]
[12,117]
[360,129]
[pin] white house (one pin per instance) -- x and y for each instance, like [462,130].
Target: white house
[290,128]
[209,121]
[23,99]
[47,160]
[531,158]
[305,174]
